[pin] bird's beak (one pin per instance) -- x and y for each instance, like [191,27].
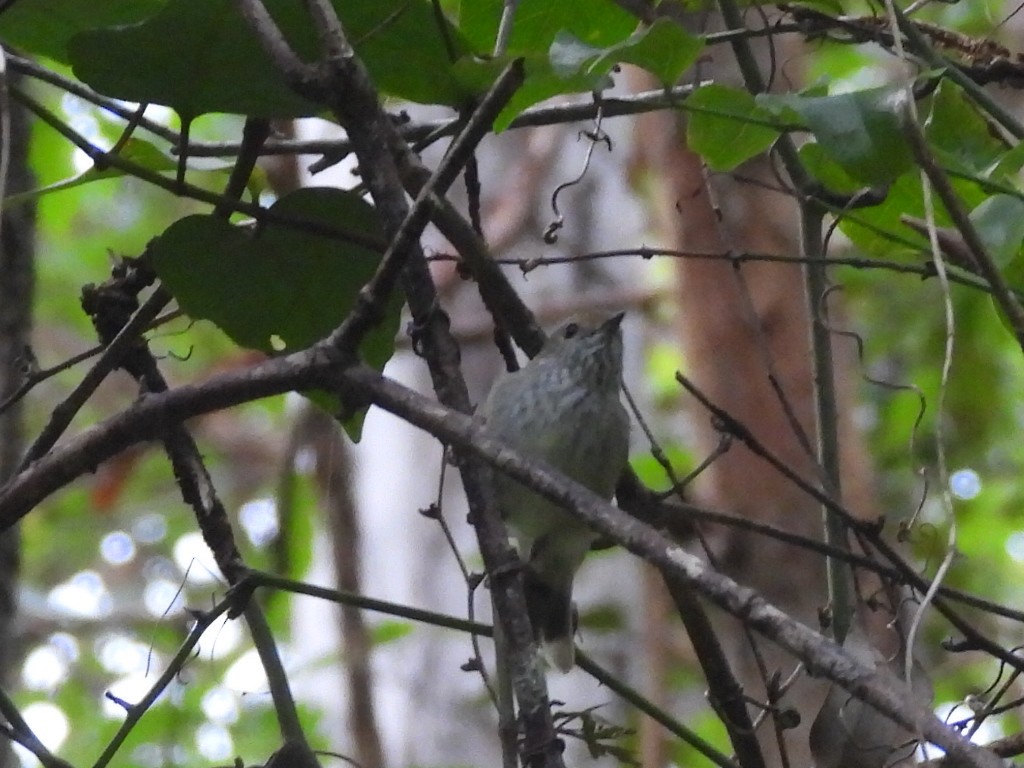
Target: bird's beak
[613,322]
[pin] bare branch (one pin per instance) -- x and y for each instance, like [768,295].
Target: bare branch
[315,368]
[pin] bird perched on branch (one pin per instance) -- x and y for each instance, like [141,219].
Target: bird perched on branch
[562,407]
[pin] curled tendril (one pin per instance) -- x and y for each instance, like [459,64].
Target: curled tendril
[595,136]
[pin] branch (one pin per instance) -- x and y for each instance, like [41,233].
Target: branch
[348,91]
[148,419]
[108,307]
[822,656]
[113,353]
[869,532]
[102,160]
[373,295]
[335,150]
[134,712]
[314,368]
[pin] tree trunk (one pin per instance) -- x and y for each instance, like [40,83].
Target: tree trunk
[17,277]
[740,328]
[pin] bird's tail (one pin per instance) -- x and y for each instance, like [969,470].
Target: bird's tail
[553,618]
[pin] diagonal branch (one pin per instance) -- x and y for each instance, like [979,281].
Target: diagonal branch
[319,368]
[346,88]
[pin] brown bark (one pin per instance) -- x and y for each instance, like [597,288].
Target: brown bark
[334,482]
[17,281]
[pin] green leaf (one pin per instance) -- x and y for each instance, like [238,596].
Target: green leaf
[571,46]
[830,6]
[957,133]
[999,221]
[202,57]
[880,232]
[44,27]
[277,288]
[597,23]
[570,55]
[1008,165]
[216,66]
[604,617]
[390,630]
[823,168]
[542,82]
[727,127]
[861,130]
[652,473]
[476,75]
[664,49]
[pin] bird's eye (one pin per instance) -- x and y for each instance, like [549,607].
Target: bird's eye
[571,330]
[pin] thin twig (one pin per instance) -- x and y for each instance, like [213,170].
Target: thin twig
[104,159]
[64,412]
[575,110]
[134,712]
[910,116]
[840,579]
[866,531]
[374,294]
[22,733]
[652,710]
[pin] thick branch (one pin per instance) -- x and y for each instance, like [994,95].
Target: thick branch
[346,88]
[314,368]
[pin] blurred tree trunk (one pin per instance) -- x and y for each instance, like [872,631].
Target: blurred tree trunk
[334,478]
[17,277]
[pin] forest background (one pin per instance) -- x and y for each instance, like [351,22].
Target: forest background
[812,214]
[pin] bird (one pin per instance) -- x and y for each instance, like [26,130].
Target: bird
[563,407]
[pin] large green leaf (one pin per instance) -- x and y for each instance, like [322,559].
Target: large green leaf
[879,230]
[597,23]
[958,135]
[665,49]
[277,288]
[44,27]
[860,130]
[193,57]
[726,126]
[999,221]
[1007,165]
[546,34]
[202,57]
